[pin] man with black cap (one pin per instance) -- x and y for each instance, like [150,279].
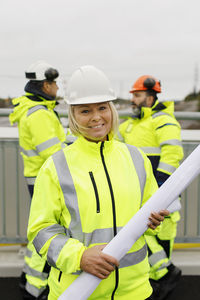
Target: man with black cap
[40,135]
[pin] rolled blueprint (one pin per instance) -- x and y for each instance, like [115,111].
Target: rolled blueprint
[174,206]
[86,283]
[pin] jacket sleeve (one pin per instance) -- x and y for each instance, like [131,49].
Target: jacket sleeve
[47,133]
[168,136]
[120,135]
[48,213]
[150,184]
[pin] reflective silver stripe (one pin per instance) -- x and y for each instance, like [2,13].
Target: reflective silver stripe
[173,142]
[166,167]
[47,144]
[160,114]
[164,265]
[129,259]
[28,253]
[152,150]
[70,138]
[69,192]
[33,290]
[104,235]
[138,162]
[34,273]
[63,145]
[133,258]
[30,152]
[45,234]
[55,247]
[35,108]
[156,257]
[77,272]
[30,180]
[120,137]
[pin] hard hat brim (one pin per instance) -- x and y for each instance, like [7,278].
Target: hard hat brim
[141,90]
[91,100]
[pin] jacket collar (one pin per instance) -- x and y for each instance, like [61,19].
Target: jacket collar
[92,147]
[40,100]
[24,103]
[158,106]
[168,107]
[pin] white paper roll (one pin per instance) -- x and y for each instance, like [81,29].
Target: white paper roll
[86,283]
[174,206]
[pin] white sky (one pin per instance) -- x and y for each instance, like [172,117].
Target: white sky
[124,38]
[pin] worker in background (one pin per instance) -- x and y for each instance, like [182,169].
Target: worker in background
[81,199]
[155,130]
[40,135]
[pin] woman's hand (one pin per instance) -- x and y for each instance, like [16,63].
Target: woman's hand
[156,218]
[97,263]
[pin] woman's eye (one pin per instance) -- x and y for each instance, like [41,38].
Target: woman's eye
[85,111]
[102,107]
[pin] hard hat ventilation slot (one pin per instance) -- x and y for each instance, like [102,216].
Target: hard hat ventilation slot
[30,75]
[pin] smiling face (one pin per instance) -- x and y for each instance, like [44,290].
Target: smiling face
[95,120]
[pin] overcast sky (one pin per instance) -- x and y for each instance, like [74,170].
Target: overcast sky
[124,38]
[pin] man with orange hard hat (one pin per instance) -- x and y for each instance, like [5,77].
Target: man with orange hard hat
[154,129]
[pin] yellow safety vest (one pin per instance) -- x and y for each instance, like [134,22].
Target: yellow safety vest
[158,134]
[84,194]
[40,132]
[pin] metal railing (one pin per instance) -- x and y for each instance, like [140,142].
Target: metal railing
[189,225]
[180,115]
[14,196]
[15,199]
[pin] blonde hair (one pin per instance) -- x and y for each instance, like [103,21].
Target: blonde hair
[77,129]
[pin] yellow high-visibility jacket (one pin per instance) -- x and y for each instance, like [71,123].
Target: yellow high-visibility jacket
[84,194]
[158,134]
[40,132]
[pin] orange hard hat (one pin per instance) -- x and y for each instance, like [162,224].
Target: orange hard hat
[146,82]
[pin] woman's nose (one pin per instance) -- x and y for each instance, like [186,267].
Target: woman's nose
[96,116]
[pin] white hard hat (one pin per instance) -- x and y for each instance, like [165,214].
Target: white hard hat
[41,70]
[88,85]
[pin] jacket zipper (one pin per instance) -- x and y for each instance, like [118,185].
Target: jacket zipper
[95,191]
[114,214]
[59,276]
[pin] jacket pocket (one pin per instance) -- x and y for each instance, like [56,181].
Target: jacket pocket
[95,191]
[59,277]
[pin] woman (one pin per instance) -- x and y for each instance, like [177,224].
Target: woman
[85,193]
